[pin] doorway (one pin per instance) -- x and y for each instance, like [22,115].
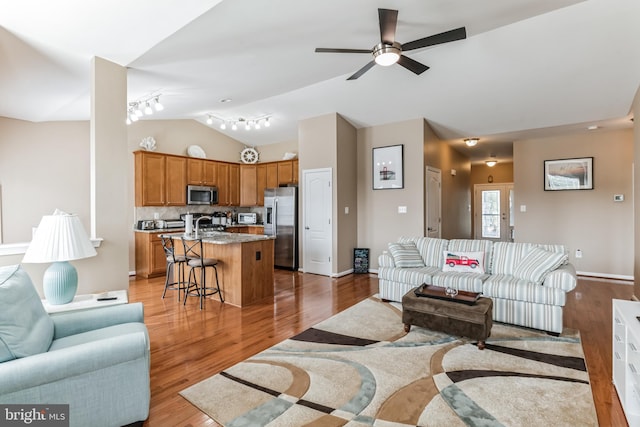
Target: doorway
[317,241]
[433,210]
[493,212]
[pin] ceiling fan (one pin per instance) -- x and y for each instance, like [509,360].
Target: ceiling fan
[389,51]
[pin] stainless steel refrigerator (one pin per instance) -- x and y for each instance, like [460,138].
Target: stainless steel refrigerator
[281,220]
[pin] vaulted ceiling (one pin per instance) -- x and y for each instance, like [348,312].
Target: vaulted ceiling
[527,67]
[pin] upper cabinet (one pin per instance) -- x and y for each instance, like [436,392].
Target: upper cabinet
[202,172]
[160,179]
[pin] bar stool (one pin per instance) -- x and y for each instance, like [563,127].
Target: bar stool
[173,261]
[193,250]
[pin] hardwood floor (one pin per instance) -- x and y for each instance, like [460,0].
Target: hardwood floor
[189,345]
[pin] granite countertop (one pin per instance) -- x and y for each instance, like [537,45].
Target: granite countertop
[161,230]
[222,238]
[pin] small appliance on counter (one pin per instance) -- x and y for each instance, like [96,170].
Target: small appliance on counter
[146,224]
[247,218]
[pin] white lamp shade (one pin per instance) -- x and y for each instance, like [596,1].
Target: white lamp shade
[59,237]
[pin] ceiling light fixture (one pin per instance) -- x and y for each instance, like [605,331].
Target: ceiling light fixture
[387,54]
[491,163]
[593,127]
[142,107]
[471,142]
[248,124]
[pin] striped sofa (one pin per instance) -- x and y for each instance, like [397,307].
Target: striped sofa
[527,282]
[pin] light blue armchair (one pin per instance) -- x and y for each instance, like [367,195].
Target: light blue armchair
[97,360]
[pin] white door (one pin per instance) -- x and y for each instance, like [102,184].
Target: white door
[433,210]
[316,227]
[493,212]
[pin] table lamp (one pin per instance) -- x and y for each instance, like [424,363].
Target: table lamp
[59,238]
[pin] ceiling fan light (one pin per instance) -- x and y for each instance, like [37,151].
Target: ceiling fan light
[385,54]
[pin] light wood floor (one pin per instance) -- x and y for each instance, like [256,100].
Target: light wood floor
[189,345]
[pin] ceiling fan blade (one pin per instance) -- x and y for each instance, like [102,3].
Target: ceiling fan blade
[388,20]
[446,37]
[330,50]
[412,65]
[362,70]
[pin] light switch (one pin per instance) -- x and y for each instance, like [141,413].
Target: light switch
[346,210]
[402,209]
[523,208]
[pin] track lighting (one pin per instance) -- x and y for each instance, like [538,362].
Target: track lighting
[248,124]
[141,107]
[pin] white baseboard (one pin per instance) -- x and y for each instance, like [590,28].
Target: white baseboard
[132,273]
[586,275]
[343,273]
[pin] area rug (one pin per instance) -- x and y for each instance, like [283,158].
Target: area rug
[359,368]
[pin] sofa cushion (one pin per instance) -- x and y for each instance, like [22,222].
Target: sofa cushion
[502,286]
[470,262]
[431,250]
[25,327]
[461,281]
[406,255]
[537,263]
[412,276]
[506,255]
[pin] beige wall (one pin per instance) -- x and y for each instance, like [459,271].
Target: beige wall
[43,166]
[588,220]
[275,152]
[346,189]
[456,189]
[378,219]
[635,109]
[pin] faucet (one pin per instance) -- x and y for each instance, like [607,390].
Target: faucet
[197,233]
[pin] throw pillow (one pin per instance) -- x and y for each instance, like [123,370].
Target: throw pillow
[406,254]
[537,263]
[472,262]
[25,327]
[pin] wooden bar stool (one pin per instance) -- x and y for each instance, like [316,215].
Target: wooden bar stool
[194,252]
[173,261]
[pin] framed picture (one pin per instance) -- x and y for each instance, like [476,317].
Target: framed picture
[568,174]
[388,167]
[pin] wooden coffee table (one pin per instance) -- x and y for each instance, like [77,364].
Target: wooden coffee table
[467,314]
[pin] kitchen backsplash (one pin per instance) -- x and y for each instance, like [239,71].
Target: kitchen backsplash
[174,212]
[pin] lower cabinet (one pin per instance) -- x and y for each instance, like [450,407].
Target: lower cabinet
[626,357]
[248,229]
[150,257]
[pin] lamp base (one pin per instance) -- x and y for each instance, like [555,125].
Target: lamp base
[60,283]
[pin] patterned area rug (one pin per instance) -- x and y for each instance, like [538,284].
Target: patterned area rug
[359,368]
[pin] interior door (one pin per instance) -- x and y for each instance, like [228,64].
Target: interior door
[317,209]
[493,212]
[433,187]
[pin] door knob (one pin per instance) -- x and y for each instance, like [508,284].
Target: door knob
[306,228]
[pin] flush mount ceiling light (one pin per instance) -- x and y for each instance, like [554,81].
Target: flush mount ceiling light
[248,124]
[491,163]
[387,54]
[593,127]
[471,141]
[142,107]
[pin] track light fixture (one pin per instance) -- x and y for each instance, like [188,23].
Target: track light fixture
[142,107]
[248,124]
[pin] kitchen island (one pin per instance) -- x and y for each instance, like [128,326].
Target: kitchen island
[245,264]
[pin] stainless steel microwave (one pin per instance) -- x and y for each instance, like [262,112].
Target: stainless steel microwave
[202,195]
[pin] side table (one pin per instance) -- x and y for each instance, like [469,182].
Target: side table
[88,301]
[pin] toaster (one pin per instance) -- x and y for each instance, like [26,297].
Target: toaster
[146,224]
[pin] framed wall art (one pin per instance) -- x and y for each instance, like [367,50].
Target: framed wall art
[568,174]
[388,167]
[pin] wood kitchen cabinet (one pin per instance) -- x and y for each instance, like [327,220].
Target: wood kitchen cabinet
[160,179]
[248,185]
[288,172]
[261,183]
[202,172]
[228,184]
[150,258]
[272,175]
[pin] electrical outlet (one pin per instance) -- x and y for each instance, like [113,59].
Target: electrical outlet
[578,253]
